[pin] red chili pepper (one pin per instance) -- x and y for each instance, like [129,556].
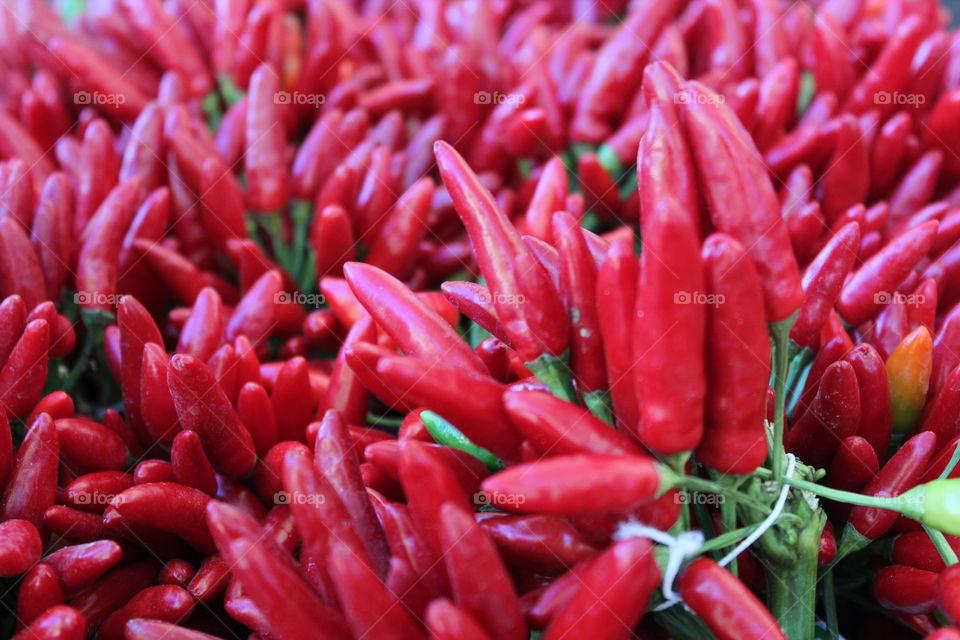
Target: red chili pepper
[542,543]
[575,484]
[202,406]
[612,595]
[669,331]
[417,330]
[202,334]
[137,328]
[488,595]
[845,181]
[616,298]
[579,282]
[447,621]
[336,457]
[834,416]
[265,157]
[854,465]
[20,270]
[13,315]
[20,547]
[150,471]
[87,445]
[190,464]
[394,249]
[725,156]
[182,512]
[113,590]
[79,566]
[916,549]
[371,609]
[155,401]
[56,623]
[526,302]
[466,470]
[822,281]
[480,416]
[738,361]
[39,591]
[618,70]
[271,579]
[906,589]
[292,399]
[942,414]
[143,153]
[222,204]
[25,371]
[476,302]
[167,603]
[256,313]
[878,278]
[555,427]
[179,276]
[916,187]
[899,474]
[948,593]
[32,486]
[945,356]
[145,629]
[730,610]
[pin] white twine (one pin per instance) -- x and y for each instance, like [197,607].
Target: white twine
[689,543]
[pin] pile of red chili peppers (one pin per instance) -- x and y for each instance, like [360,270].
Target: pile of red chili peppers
[479,319]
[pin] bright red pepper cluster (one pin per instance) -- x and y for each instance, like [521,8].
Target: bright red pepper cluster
[483,320]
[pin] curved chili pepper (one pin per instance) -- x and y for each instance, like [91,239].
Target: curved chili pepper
[202,334]
[92,491]
[90,446]
[256,313]
[917,186]
[137,328]
[574,484]
[336,457]
[394,248]
[877,279]
[371,609]
[854,464]
[480,416]
[180,276]
[270,578]
[555,427]
[906,589]
[476,302]
[56,623]
[487,595]
[526,302]
[32,486]
[822,282]
[730,610]
[79,566]
[618,70]
[738,361]
[467,470]
[202,406]
[540,542]
[182,512]
[168,603]
[900,473]
[908,369]
[417,330]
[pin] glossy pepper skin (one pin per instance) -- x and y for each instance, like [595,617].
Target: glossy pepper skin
[876,281]
[202,406]
[740,197]
[738,361]
[876,420]
[613,594]
[669,332]
[727,606]
[900,473]
[526,301]
[575,484]
[834,415]
[822,281]
[906,589]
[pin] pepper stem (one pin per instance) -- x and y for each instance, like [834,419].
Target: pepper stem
[791,591]
[947,554]
[781,351]
[554,372]
[599,404]
[906,507]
